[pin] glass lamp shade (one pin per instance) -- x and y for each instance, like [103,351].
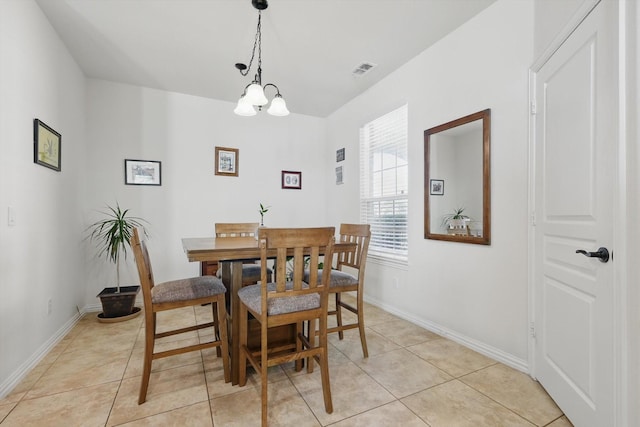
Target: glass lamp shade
[278,107]
[244,107]
[255,95]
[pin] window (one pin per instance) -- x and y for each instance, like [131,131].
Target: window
[384,179]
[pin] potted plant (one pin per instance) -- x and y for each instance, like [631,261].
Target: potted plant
[455,220]
[113,236]
[263,210]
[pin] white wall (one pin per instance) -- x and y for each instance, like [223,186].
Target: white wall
[478,294]
[182,132]
[40,257]
[632,90]
[550,17]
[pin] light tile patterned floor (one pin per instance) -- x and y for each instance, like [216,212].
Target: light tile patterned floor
[412,377]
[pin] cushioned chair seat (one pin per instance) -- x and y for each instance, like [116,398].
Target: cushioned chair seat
[252,297]
[338,278]
[187,289]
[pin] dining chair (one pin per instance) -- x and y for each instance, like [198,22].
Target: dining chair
[250,270]
[175,294]
[350,280]
[288,302]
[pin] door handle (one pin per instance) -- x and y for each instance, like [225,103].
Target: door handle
[601,253]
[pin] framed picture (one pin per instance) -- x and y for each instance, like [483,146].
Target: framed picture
[142,172]
[339,176]
[436,187]
[47,148]
[292,180]
[227,161]
[340,155]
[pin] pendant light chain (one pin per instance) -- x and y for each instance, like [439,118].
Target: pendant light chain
[256,42]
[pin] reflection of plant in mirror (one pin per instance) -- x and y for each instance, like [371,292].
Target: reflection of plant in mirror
[457,214]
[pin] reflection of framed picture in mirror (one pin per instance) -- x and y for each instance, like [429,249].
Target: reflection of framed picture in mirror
[292,180]
[436,187]
[227,161]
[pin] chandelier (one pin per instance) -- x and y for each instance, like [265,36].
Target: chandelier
[253,94]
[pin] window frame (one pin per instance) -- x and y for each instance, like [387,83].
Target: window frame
[388,193]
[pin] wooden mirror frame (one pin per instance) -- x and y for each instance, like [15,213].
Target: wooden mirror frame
[485,239]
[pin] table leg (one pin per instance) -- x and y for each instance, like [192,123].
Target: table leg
[232,279]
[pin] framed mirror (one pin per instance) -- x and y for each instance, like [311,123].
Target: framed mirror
[457,177]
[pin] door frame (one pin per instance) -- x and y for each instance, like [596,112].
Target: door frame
[626,301]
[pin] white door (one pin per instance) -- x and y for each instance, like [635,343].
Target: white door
[575,135]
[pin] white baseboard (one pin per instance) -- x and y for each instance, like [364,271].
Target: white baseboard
[19,374]
[480,347]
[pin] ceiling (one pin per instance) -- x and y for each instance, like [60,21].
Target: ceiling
[309,47]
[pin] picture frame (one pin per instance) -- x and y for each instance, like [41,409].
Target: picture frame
[47,146]
[142,172]
[339,155]
[436,187]
[227,161]
[292,180]
[339,175]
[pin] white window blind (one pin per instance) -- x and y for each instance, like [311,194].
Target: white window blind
[384,179]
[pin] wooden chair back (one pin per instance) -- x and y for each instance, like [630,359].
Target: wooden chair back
[143,262]
[238,229]
[360,234]
[292,246]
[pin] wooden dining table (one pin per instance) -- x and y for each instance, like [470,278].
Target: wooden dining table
[231,253]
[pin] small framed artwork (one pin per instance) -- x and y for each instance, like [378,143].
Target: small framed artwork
[47,148]
[292,180]
[436,187]
[227,161]
[142,172]
[340,155]
[339,176]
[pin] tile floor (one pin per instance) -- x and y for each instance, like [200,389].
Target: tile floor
[412,378]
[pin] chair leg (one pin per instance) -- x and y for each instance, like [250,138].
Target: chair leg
[242,358]
[324,366]
[339,314]
[299,345]
[216,326]
[312,342]
[363,339]
[222,332]
[149,341]
[360,313]
[264,367]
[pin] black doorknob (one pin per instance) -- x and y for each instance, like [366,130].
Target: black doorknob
[601,253]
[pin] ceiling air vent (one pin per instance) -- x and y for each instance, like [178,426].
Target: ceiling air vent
[363,69]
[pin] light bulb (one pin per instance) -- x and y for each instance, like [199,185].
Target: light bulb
[255,95]
[278,107]
[244,107]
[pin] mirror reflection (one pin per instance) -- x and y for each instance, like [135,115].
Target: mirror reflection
[457,180]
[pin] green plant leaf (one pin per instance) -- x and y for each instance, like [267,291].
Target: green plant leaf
[113,233]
